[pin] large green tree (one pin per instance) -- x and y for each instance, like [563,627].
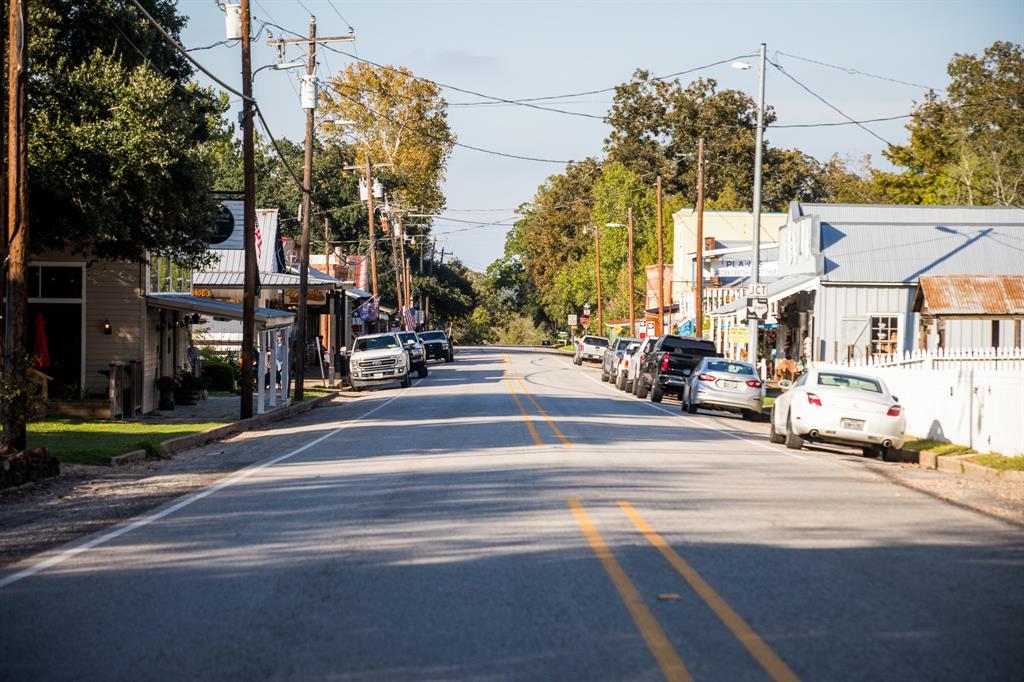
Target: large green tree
[118,133]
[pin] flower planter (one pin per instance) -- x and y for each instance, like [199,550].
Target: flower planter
[187,397]
[166,399]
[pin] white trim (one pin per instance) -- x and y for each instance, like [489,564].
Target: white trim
[81,265]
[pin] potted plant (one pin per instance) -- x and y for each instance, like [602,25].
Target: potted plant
[189,390]
[166,387]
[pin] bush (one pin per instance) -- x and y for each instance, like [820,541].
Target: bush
[219,376]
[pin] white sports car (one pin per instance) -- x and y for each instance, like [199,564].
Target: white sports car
[837,405]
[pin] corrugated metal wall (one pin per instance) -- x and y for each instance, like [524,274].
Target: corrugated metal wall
[842,317]
[976,334]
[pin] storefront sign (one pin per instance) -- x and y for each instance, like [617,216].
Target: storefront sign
[313,296]
[738,335]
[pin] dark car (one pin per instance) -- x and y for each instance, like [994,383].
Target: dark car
[417,353]
[613,356]
[438,346]
[669,364]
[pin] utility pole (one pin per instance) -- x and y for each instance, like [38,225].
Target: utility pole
[632,281]
[659,327]
[755,261]
[597,253]
[399,289]
[698,293]
[15,321]
[371,219]
[309,103]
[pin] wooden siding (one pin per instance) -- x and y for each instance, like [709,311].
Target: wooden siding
[842,315]
[113,292]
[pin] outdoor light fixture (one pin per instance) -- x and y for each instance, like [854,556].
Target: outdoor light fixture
[108,329]
[195,318]
[614,225]
[742,66]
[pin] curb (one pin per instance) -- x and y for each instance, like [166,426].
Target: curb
[173,445]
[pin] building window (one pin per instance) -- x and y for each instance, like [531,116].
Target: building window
[168,277]
[55,281]
[884,335]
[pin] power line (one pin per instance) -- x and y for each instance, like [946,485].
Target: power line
[857,72]
[213,45]
[340,16]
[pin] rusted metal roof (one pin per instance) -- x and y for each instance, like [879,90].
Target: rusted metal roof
[971,295]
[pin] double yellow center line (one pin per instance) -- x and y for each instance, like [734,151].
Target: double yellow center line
[671,665]
[512,378]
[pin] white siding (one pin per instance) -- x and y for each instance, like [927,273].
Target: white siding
[842,314]
[113,292]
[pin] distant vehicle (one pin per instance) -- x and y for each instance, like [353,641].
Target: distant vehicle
[622,382]
[378,359]
[637,362]
[417,352]
[669,364]
[835,405]
[589,348]
[612,357]
[721,384]
[545,342]
[438,346]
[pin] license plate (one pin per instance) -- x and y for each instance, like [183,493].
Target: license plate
[853,424]
[377,375]
[729,384]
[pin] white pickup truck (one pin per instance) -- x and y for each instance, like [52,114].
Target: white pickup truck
[378,359]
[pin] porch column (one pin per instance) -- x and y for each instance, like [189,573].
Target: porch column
[259,340]
[286,364]
[272,342]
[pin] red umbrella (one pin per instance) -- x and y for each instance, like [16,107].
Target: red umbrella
[40,349]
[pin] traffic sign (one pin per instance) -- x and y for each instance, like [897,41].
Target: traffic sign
[584,319]
[573,320]
[586,309]
[757,309]
[756,290]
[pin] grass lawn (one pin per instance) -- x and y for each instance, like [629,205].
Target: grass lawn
[95,442]
[938,447]
[310,393]
[1001,462]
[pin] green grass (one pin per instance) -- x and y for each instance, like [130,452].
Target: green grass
[310,393]
[95,442]
[1001,462]
[938,447]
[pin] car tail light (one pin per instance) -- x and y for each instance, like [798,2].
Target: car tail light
[664,362]
[753,383]
[625,363]
[813,399]
[894,411]
[707,377]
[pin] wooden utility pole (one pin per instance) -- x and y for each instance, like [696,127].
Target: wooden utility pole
[597,254]
[698,290]
[659,326]
[16,319]
[249,220]
[632,282]
[399,289]
[309,103]
[370,221]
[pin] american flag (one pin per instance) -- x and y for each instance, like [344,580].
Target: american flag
[259,240]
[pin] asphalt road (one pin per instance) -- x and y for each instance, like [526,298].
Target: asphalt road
[510,517]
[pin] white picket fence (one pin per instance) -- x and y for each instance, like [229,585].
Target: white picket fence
[971,397]
[978,358]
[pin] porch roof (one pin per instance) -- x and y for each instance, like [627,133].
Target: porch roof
[970,295]
[267,318]
[777,290]
[236,280]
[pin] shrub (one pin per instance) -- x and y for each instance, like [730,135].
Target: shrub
[219,376]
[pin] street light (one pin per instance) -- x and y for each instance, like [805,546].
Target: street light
[281,66]
[629,228]
[755,261]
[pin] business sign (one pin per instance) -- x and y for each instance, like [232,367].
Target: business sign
[739,267]
[738,335]
[226,232]
[313,296]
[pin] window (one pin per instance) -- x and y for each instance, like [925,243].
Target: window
[729,367]
[849,381]
[884,335]
[167,276]
[55,281]
[377,343]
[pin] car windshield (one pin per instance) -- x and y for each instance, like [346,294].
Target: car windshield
[849,381]
[596,341]
[693,347]
[729,367]
[622,344]
[377,342]
[407,336]
[432,336]
[632,348]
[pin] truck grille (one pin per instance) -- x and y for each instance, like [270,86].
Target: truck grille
[382,362]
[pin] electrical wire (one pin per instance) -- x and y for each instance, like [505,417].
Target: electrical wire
[213,45]
[857,72]
[340,16]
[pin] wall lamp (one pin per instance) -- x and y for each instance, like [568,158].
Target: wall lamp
[108,328]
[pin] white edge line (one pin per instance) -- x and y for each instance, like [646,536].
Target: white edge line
[184,502]
[759,444]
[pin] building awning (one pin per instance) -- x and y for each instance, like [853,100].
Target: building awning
[236,280]
[267,318]
[357,294]
[776,291]
[970,296]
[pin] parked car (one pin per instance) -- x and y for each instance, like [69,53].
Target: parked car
[622,371]
[720,384]
[438,346]
[417,352]
[836,405]
[612,357]
[379,359]
[636,362]
[669,364]
[589,348]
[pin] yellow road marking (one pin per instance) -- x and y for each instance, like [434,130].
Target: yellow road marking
[557,431]
[522,410]
[671,665]
[757,647]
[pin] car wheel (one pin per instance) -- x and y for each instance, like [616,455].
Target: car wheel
[792,441]
[748,415]
[422,372]
[656,394]
[641,388]
[618,381]
[773,435]
[629,386]
[407,381]
[576,360]
[451,357]
[604,375]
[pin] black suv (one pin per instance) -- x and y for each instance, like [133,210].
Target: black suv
[438,346]
[667,365]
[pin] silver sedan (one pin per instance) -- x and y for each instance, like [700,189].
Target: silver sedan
[721,384]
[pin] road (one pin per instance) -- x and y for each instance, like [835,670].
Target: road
[511,517]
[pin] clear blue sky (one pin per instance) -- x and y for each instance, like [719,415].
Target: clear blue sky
[517,49]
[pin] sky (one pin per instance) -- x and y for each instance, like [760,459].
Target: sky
[516,49]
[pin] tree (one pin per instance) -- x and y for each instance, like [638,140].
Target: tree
[969,147]
[117,154]
[398,119]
